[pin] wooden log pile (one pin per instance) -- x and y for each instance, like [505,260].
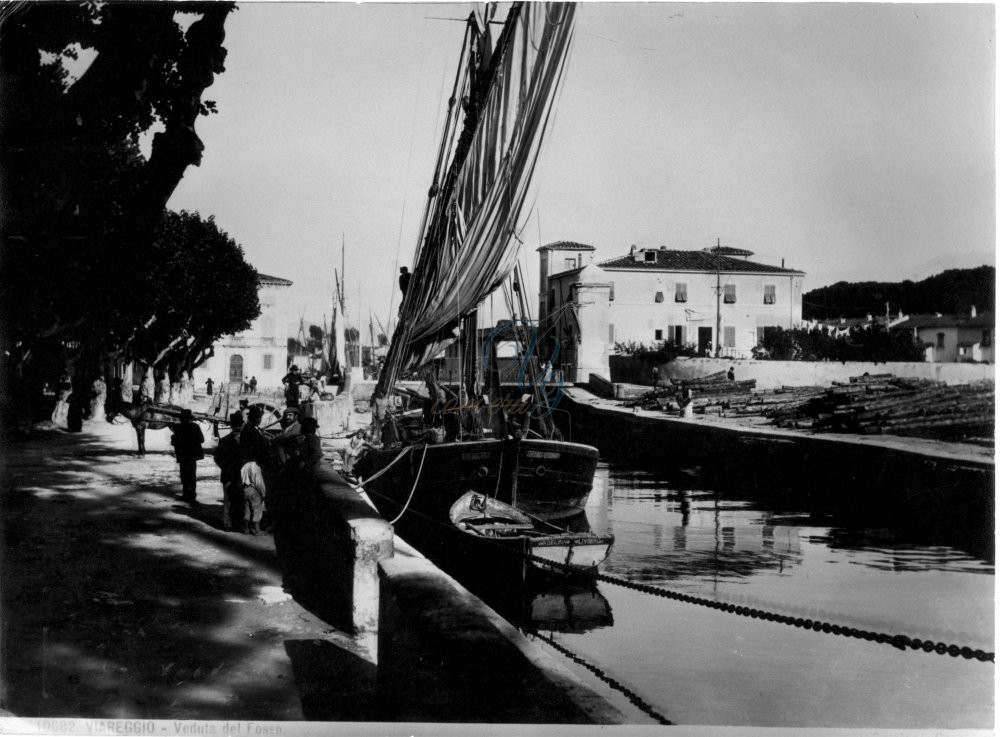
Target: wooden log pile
[867,404]
[888,404]
[705,394]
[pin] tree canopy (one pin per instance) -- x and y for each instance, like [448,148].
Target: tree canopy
[953,291]
[81,201]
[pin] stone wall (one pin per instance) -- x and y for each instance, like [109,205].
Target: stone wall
[775,374]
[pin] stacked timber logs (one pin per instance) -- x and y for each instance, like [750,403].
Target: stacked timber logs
[707,394]
[868,404]
[899,406]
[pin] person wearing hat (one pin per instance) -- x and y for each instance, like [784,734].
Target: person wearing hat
[187,442]
[254,453]
[292,380]
[310,451]
[227,458]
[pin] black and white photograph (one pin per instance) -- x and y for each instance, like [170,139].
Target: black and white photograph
[417,368]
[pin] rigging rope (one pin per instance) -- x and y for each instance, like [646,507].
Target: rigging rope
[413,489]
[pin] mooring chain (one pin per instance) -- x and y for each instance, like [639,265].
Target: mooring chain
[901,642]
[631,695]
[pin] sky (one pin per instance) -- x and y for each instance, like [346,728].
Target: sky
[853,140]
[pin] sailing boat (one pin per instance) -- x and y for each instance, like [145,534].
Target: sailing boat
[498,112]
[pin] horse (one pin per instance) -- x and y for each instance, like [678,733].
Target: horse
[143,417]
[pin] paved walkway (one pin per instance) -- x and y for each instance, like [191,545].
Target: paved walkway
[121,601]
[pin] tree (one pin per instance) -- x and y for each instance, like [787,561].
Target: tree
[198,287]
[81,203]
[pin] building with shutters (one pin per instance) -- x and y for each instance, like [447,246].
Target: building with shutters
[261,350]
[715,300]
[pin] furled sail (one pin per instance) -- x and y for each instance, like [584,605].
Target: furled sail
[498,113]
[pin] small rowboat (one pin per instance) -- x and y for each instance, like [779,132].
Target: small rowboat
[552,549]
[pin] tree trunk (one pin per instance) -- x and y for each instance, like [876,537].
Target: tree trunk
[99,395]
[162,395]
[147,388]
[186,393]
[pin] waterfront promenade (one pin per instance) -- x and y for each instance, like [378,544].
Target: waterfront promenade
[121,601]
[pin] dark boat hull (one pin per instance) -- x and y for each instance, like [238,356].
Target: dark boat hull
[547,479]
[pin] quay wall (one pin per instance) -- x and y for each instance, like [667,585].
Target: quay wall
[923,487]
[338,543]
[440,652]
[775,374]
[443,654]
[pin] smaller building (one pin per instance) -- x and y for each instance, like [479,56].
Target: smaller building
[954,338]
[260,351]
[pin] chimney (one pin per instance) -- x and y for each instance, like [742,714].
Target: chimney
[782,263]
[972,312]
[631,251]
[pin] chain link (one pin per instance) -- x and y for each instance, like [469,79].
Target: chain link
[631,695]
[900,642]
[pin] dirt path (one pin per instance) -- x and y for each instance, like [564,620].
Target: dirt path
[121,601]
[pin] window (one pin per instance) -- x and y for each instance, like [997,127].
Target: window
[987,340]
[611,295]
[729,294]
[569,263]
[681,292]
[552,299]
[268,361]
[650,256]
[676,333]
[659,335]
[769,298]
[658,297]
[729,337]
[267,341]
[940,340]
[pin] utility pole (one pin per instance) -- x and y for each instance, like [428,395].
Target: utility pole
[718,298]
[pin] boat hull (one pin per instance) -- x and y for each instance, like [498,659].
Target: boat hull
[547,479]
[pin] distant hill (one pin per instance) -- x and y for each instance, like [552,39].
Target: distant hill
[952,291]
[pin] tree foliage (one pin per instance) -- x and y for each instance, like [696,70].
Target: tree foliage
[81,202]
[198,287]
[872,344]
[952,291]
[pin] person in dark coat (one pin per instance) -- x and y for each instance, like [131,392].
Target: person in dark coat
[292,380]
[731,374]
[253,444]
[208,386]
[227,458]
[187,442]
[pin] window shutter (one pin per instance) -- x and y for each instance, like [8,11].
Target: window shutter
[611,295]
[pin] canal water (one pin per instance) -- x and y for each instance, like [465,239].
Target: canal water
[692,665]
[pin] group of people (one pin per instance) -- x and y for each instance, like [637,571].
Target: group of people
[254,464]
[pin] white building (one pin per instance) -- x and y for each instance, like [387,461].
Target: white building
[261,351]
[954,338]
[715,300]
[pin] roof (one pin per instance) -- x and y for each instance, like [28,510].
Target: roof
[694,261]
[275,280]
[984,320]
[566,246]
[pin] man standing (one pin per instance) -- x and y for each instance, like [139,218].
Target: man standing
[292,380]
[187,442]
[227,458]
[253,384]
[254,453]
